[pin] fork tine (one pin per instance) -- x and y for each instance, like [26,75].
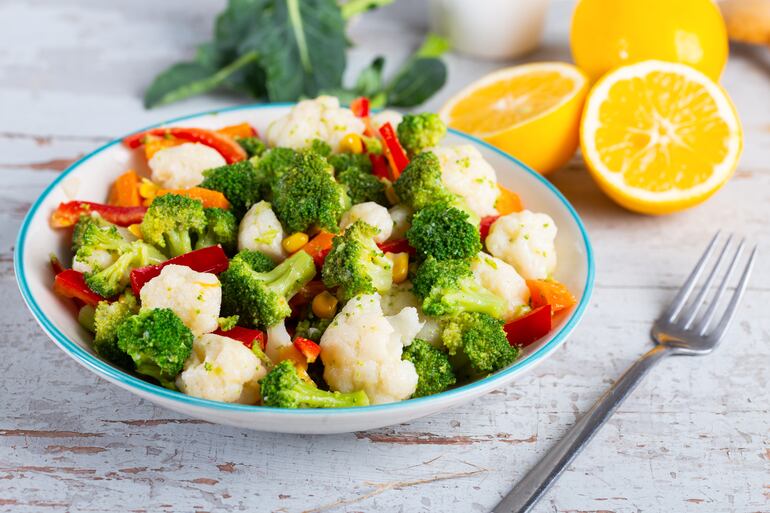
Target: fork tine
[704,322]
[692,311]
[732,307]
[678,302]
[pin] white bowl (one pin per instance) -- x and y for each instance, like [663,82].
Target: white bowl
[89,179]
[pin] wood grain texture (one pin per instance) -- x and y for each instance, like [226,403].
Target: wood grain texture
[693,438]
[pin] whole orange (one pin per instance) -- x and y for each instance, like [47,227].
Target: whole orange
[606,34]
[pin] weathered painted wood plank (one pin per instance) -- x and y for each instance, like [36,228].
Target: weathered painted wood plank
[693,438]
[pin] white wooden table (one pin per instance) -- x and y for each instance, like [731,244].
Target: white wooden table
[693,438]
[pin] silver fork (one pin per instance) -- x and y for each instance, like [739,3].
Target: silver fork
[678,331]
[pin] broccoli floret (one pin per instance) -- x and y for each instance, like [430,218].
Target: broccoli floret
[355,264]
[312,327]
[434,372]
[448,287]
[420,183]
[272,166]
[478,340]
[253,146]
[257,260]
[373,145]
[354,172]
[221,228]
[172,222]
[443,232]
[111,280]
[107,318]
[240,183]
[307,196]
[283,388]
[319,147]
[158,342]
[80,227]
[417,132]
[262,297]
[227,323]
[95,239]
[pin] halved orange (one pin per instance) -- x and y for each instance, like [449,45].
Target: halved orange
[531,111]
[659,137]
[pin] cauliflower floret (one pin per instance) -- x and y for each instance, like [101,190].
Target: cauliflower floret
[401,216]
[361,349]
[502,280]
[370,213]
[465,173]
[526,241]
[387,116]
[321,118]
[260,230]
[399,297]
[195,297]
[221,369]
[182,167]
[277,339]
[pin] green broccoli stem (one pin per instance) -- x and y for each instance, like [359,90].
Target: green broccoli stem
[309,396]
[178,242]
[206,240]
[471,297]
[291,275]
[145,254]
[146,367]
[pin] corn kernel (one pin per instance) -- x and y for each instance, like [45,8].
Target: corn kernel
[352,143]
[390,194]
[136,230]
[148,190]
[324,305]
[400,266]
[294,242]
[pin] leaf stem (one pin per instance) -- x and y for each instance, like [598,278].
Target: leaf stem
[299,34]
[353,7]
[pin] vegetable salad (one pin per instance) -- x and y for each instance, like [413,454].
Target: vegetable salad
[342,259]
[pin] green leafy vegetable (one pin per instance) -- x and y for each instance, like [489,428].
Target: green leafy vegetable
[284,50]
[418,79]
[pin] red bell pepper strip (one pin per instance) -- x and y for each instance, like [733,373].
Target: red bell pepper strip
[205,260]
[394,151]
[360,107]
[72,284]
[396,246]
[245,336]
[309,349]
[486,224]
[529,328]
[67,214]
[319,246]
[380,167]
[226,146]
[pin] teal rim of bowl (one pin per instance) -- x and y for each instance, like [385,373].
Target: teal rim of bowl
[106,370]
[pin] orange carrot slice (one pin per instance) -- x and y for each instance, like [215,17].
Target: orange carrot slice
[210,199]
[508,202]
[550,292]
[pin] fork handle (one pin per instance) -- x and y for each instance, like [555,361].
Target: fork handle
[528,491]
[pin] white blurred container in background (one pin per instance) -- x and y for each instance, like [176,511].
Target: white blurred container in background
[491,29]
